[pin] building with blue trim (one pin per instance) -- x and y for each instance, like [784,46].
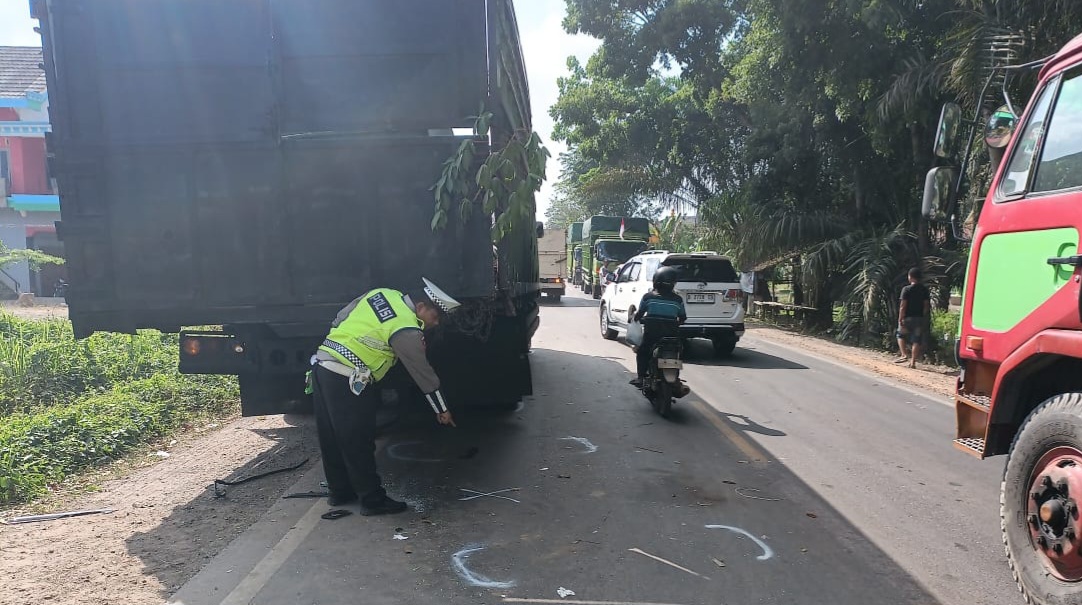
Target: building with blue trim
[29,203]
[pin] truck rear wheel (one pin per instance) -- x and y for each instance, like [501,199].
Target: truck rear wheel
[1039,503]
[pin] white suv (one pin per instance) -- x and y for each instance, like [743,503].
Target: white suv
[707,282]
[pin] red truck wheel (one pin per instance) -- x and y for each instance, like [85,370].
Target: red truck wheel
[1039,503]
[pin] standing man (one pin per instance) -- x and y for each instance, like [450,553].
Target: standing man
[914,311]
[366,339]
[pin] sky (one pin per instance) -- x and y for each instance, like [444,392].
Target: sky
[545,45]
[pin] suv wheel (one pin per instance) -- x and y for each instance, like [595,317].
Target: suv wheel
[724,346]
[606,330]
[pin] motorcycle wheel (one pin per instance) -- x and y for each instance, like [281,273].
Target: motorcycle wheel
[663,398]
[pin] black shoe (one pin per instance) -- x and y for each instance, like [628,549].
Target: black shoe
[340,499]
[637,383]
[387,506]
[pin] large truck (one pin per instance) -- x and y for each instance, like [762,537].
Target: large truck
[607,242]
[574,253]
[254,165]
[1019,392]
[552,262]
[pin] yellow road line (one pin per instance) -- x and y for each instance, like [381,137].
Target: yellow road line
[752,451]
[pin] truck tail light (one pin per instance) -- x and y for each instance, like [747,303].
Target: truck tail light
[732,294]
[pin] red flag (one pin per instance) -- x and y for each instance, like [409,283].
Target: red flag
[621,228]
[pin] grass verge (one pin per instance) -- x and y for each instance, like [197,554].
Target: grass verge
[67,405]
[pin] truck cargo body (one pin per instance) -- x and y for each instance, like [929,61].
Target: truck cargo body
[574,253]
[607,242]
[257,164]
[552,262]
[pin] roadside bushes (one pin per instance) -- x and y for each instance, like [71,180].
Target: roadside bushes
[67,405]
[944,333]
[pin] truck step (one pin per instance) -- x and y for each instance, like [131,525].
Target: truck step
[980,402]
[971,445]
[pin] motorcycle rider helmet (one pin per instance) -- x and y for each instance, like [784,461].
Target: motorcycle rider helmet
[665,280]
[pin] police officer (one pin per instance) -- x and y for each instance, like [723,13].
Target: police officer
[366,339]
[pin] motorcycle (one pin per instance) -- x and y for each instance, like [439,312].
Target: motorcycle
[662,384]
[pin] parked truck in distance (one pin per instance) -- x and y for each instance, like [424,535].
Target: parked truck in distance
[574,254]
[1019,392]
[258,165]
[608,242]
[552,262]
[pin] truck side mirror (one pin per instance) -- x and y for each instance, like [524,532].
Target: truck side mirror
[946,137]
[540,229]
[998,132]
[939,193]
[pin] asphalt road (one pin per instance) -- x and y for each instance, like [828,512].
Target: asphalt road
[784,478]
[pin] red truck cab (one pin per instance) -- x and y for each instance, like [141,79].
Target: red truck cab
[1020,389]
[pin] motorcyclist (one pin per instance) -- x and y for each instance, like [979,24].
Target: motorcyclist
[661,312]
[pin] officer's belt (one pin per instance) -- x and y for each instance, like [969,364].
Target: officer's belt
[344,352]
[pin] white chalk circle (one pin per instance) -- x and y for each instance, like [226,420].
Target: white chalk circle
[458,560]
[767,552]
[588,448]
[396,451]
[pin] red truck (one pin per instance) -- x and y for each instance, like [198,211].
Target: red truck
[1019,392]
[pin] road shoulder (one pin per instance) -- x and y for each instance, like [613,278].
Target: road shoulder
[939,380]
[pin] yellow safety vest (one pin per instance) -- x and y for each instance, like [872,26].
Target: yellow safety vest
[366,332]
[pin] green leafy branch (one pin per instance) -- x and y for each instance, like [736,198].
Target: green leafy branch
[504,185]
[35,258]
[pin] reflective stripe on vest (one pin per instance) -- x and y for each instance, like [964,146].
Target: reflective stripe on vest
[365,334]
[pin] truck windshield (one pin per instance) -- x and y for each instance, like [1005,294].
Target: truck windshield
[619,251]
[703,270]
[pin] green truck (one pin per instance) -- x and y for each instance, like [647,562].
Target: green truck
[607,243]
[574,253]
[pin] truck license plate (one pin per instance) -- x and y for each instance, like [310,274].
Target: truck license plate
[699,297]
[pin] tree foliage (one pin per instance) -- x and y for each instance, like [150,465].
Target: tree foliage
[795,129]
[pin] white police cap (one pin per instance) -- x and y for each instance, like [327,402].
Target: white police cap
[441,298]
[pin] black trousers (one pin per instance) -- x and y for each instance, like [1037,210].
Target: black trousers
[652,332]
[346,424]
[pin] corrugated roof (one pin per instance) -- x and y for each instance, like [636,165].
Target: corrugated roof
[19,71]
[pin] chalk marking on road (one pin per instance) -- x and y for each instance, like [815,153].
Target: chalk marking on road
[745,446]
[667,562]
[393,452]
[584,442]
[768,553]
[458,560]
[489,494]
[256,579]
[741,490]
[580,602]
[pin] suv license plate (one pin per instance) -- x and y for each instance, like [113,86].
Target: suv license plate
[698,297]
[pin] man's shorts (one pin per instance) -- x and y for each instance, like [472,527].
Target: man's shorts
[912,330]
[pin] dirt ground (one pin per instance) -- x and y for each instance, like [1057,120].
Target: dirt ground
[42,309]
[168,521]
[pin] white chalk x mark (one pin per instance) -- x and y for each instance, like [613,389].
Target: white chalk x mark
[564,593]
[584,442]
[458,560]
[767,551]
[494,494]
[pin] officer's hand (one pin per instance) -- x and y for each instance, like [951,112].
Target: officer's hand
[446,419]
